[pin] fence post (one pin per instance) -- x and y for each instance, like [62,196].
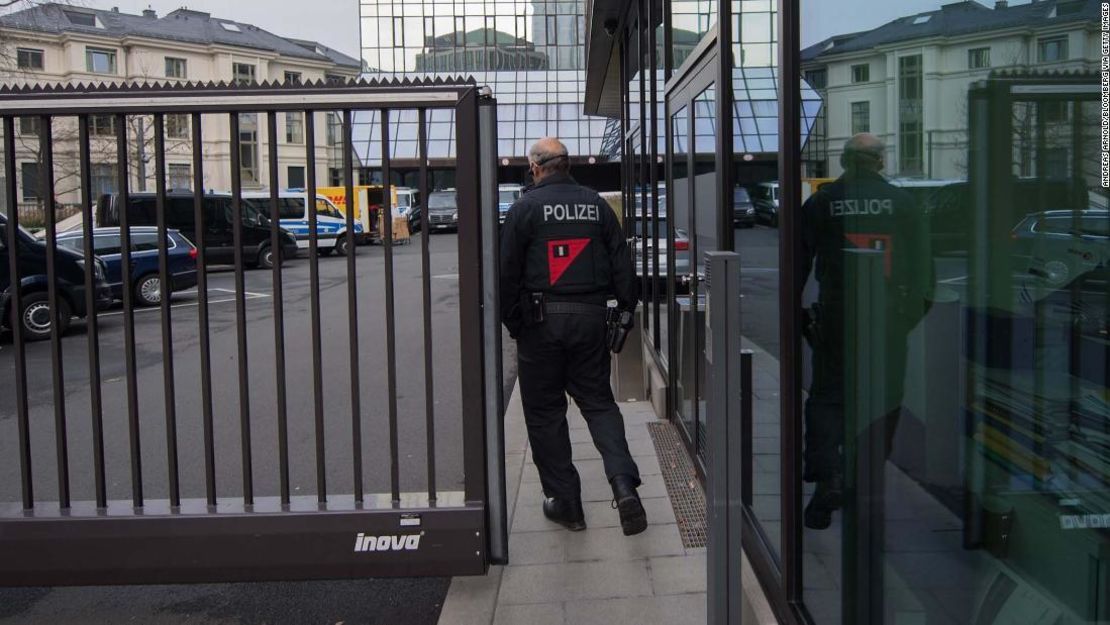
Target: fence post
[724,474]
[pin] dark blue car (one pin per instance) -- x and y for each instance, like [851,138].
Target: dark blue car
[145,285]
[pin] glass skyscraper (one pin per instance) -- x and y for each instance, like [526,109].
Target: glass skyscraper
[530,52]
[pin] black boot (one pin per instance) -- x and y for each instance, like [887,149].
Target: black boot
[565,512]
[627,503]
[825,500]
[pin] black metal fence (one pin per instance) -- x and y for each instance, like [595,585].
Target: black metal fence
[246,535]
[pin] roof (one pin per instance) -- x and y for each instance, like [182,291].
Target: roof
[956,19]
[182,25]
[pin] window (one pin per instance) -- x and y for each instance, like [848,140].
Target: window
[80,18]
[248,148]
[146,242]
[295,177]
[861,73]
[105,244]
[29,58]
[294,127]
[231,27]
[176,68]
[978,58]
[30,173]
[334,129]
[179,176]
[1052,49]
[398,32]
[333,79]
[100,61]
[861,117]
[460,31]
[910,116]
[242,73]
[102,125]
[29,125]
[177,125]
[292,78]
[817,78]
[103,178]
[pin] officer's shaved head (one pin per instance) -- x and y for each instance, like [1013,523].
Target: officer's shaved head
[548,156]
[863,151]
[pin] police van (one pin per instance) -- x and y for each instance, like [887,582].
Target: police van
[507,194]
[331,225]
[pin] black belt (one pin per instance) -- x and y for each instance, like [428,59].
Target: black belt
[573,308]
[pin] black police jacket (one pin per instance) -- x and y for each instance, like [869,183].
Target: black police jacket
[861,210]
[563,240]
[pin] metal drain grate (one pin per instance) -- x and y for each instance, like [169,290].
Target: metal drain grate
[687,496]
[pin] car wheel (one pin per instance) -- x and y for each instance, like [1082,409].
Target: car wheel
[36,317]
[324,251]
[266,258]
[149,290]
[342,246]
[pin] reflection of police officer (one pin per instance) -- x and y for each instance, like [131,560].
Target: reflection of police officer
[860,210]
[562,257]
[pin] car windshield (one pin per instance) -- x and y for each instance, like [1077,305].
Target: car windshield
[740,195]
[324,207]
[441,200]
[506,197]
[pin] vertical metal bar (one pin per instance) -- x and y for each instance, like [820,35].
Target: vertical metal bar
[746,426]
[241,309]
[165,289]
[96,399]
[390,320]
[470,301]
[790,295]
[653,176]
[46,191]
[352,303]
[277,254]
[199,218]
[122,173]
[15,305]
[314,306]
[726,234]
[426,280]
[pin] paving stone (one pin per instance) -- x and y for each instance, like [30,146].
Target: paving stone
[537,548]
[574,581]
[601,513]
[669,610]
[610,544]
[678,575]
[535,614]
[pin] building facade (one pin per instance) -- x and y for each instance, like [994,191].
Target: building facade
[61,44]
[904,81]
[529,52]
[926,313]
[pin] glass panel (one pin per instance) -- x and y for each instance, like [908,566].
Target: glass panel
[705,240]
[682,360]
[956,459]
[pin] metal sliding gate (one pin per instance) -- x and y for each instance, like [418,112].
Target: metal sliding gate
[232,529]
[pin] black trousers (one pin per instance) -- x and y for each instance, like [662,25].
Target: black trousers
[567,354]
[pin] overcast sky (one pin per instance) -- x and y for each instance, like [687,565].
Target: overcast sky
[335,22]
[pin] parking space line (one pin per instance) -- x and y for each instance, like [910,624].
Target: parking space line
[248,296]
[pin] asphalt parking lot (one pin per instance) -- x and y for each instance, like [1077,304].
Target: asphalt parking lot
[357,601]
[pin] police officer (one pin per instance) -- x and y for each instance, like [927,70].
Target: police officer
[563,256]
[859,210]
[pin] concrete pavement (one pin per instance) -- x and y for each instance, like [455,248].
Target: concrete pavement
[595,576]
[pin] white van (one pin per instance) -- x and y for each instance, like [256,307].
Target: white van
[331,225]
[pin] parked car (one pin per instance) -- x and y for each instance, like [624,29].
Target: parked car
[507,194]
[765,197]
[641,246]
[181,257]
[743,211]
[443,210]
[408,204]
[1058,247]
[218,221]
[69,267]
[331,225]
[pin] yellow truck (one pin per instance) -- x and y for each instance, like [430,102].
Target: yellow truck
[367,203]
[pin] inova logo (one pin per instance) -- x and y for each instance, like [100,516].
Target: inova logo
[404,542]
